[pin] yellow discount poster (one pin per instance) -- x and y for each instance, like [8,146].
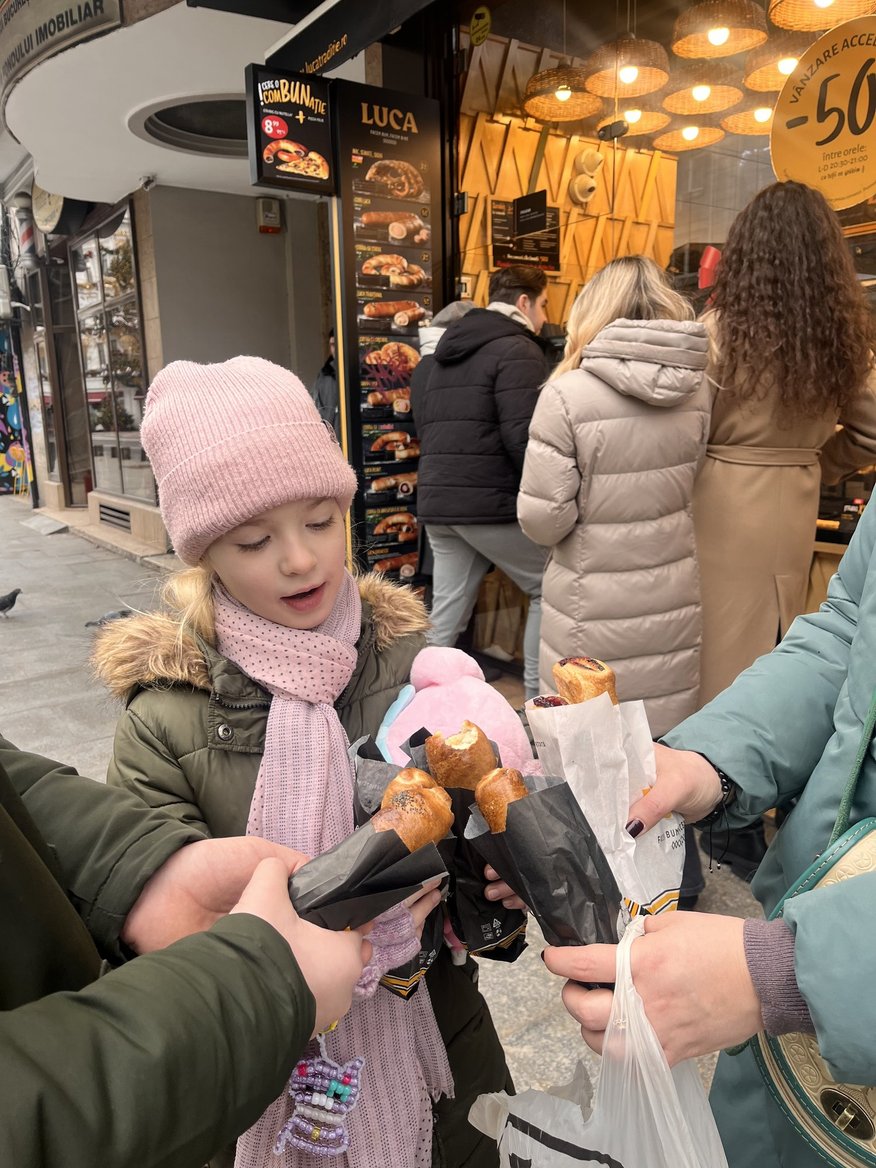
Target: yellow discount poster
[824,125]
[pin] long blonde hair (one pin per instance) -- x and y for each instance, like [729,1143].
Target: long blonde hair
[188,595]
[629,288]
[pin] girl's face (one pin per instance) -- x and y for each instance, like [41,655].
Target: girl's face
[286,565]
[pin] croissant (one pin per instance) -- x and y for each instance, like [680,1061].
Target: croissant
[580,678]
[417,816]
[462,759]
[495,791]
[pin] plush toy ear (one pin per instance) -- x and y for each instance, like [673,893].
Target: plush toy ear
[435,665]
[404,699]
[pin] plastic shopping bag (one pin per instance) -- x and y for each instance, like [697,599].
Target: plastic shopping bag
[644,1115]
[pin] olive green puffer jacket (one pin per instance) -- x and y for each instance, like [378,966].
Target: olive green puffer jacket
[191,740]
[131,1069]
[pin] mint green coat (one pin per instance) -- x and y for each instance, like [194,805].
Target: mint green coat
[790,727]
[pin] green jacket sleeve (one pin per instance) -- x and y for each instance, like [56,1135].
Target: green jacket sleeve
[143,764]
[104,843]
[159,1064]
[770,728]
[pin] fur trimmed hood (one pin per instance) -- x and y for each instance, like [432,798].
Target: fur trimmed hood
[150,649]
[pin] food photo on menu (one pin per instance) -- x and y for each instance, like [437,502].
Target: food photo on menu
[391,225]
[388,178]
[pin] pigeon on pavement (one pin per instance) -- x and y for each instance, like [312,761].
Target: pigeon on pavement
[7,602]
[108,617]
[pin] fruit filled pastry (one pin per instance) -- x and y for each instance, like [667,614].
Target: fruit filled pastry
[461,759]
[580,678]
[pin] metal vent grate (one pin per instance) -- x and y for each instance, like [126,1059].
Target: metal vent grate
[117,516]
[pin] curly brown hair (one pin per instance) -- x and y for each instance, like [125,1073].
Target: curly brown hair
[789,310]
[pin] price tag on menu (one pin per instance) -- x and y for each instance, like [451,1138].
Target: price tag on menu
[824,124]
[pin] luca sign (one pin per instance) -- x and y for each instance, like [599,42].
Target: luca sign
[32,30]
[824,125]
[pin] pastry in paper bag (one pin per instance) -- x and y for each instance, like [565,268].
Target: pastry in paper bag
[605,753]
[550,856]
[373,775]
[377,867]
[485,927]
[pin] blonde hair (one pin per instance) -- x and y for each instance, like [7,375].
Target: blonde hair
[629,288]
[188,595]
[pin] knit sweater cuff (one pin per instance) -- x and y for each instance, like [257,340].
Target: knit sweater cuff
[769,951]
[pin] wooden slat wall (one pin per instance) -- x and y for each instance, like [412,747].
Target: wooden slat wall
[633,210]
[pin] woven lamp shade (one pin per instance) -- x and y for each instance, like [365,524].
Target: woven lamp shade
[806,16]
[651,117]
[673,140]
[540,99]
[720,83]
[742,120]
[761,72]
[604,66]
[743,21]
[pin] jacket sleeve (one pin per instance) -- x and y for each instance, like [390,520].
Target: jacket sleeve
[519,377]
[547,505]
[159,1064]
[770,728]
[105,843]
[854,446]
[143,764]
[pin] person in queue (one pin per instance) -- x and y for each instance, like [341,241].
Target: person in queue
[788,728]
[791,356]
[472,402]
[93,1069]
[241,703]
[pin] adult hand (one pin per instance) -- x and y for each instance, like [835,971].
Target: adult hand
[194,888]
[686,783]
[330,962]
[497,889]
[690,972]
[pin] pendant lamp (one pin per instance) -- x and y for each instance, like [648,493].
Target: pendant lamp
[702,87]
[642,115]
[558,95]
[627,67]
[720,28]
[814,15]
[767,67]
[688,134]
[752,116]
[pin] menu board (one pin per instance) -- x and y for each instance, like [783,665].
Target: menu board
[389,176]
[541,250]
[289,132]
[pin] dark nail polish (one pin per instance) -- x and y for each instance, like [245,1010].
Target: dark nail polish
[541,955]
[635,827]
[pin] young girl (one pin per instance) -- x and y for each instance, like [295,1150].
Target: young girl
[237,703]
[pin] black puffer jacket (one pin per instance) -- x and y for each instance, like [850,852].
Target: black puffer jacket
[472,404]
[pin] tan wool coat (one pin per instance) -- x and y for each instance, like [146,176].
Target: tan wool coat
[755,507]
[607,484]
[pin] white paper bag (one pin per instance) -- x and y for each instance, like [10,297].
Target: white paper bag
[605,754]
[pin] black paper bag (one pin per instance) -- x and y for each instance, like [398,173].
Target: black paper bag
[551,858]
[486,927]
[360,878]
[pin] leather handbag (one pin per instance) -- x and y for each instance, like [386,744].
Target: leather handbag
[838,1120]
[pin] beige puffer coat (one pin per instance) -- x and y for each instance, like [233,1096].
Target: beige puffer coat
[614,448]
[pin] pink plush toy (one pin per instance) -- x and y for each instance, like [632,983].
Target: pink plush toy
[449,687]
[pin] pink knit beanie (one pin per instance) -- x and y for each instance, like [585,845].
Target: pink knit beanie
[230,441]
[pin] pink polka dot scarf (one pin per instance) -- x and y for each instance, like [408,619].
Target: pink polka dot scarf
[303,799]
